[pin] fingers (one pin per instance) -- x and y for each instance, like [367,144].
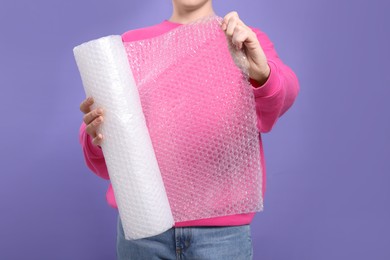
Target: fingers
[89,117]
[231,25]
[92,127]
[239,36]
[98,139]
[92,130]
[235,28]
[227,17]
[85,106]
[230,21]
[93,119]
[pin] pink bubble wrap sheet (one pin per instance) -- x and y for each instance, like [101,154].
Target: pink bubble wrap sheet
[200,111]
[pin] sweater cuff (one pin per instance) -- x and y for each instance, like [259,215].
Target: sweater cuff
[270,86]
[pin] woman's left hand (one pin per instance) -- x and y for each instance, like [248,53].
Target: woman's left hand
[243,37]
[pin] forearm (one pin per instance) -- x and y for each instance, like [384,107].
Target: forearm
[277,94]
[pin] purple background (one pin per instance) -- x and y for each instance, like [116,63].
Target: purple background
[328,171]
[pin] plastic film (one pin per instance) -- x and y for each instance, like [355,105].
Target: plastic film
[139,190]
[200,111]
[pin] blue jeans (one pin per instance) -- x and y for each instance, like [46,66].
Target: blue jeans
[195,243]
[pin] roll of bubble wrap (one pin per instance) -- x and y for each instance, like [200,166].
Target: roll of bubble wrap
[138,186]
[200,111]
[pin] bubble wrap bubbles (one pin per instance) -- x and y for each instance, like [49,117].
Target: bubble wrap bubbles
[139,190]
[200,111]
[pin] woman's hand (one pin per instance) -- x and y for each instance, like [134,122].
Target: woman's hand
[93,119]
[244,38]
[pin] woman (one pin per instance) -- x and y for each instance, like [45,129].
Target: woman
[275,88]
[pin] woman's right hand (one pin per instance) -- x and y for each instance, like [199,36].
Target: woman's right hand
[92,119]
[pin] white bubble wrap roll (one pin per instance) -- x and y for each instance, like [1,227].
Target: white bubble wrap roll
[138,186]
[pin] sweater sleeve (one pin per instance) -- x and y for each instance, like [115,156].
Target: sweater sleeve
[280,90]
[93,155]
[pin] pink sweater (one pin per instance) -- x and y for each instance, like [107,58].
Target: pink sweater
[273,99]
